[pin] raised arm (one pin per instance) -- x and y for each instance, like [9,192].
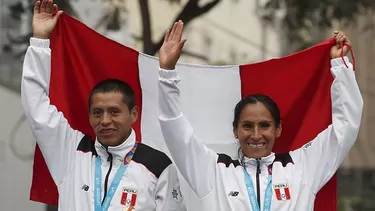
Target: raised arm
[318,160]
[193,159]
[57,141]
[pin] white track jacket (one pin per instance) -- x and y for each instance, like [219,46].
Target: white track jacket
[297,176]
[149,183]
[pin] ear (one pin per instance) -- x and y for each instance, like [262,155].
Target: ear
[235,132]
[134,114]
[278,130]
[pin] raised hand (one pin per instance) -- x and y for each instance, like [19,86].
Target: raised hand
[341,38]
[45,17]
[170,51]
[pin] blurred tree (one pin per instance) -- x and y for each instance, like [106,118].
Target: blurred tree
[111,17]
[304,21]
[191,10]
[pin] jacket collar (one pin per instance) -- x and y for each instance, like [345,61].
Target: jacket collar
[118,152]
[245,161]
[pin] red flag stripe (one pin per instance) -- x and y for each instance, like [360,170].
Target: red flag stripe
[287,193]
[278,194]
[123,198]
[134,199]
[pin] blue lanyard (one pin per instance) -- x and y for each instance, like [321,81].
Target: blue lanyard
[115,183]
[252,195]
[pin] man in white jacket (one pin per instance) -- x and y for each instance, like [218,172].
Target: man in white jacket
[259,179]
[112,172]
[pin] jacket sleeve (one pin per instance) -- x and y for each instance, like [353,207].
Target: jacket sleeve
[195,161]
[168,191]
[319,159]
[57,140]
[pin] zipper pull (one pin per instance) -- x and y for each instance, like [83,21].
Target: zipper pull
[258,166]
[109,159]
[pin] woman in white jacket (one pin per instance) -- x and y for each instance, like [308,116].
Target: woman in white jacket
[259,179]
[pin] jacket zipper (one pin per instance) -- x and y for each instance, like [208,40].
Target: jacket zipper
[258,185]
[109,159]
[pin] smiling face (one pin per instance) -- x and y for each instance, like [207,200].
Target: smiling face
[110,118]
[255,126]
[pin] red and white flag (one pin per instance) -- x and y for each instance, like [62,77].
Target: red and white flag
[300,85]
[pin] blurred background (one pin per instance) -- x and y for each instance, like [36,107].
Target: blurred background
[219,32]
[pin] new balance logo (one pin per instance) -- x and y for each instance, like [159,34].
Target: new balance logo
[85,187]
[233,193]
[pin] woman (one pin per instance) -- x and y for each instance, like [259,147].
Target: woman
[259,179]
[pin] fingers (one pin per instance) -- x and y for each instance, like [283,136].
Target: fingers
[43,6]
[49,6]
[346,49]
[37,7]
[341,37]
[55,8]
[173,31]
[58,14]
[166,37]
[178,33]
[338,37]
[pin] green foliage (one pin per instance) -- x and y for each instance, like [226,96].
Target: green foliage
[305,15]
[360,203]
[299,13]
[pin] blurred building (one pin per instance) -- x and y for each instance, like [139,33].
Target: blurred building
[230,33]
[362,35]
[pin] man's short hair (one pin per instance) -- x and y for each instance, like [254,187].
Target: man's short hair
[115,85]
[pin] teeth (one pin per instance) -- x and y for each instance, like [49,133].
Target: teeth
[260,145]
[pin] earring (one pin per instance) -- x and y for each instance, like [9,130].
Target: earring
[236,136]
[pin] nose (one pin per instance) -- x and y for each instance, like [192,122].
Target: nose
[256,134]
[106,119]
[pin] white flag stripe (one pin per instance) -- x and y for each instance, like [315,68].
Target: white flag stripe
[208,97]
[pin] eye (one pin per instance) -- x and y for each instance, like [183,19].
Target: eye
[96,112]
[115,112]
[247,125]
[265,124]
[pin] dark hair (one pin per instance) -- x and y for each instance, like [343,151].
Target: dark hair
[253,99]
[115,85]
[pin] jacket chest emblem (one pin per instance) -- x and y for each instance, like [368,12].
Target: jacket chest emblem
[282,191]
[129,197]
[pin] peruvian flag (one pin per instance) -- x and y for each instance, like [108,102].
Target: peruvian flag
[300,85]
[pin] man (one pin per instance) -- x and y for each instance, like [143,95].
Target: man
[110,173]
